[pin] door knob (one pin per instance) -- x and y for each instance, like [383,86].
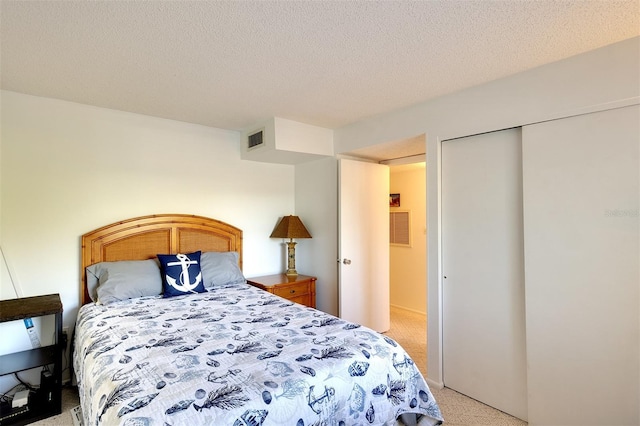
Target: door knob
[347,261]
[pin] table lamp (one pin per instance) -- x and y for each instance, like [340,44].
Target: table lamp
[291,227]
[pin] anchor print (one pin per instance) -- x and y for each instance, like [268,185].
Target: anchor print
[185,284]
[323,404]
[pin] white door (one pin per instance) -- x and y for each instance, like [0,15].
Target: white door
[484,349]
[581,200]
[363,274]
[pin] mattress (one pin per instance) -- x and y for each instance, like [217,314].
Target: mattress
[240,356]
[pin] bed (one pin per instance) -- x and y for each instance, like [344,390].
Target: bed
[229,355]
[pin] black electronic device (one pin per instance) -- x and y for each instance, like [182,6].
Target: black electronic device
[47,388]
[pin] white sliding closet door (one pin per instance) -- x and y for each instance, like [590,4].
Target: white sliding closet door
[581,223]
[484,352]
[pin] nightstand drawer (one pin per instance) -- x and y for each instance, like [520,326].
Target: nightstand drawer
[291,291]
[298,288]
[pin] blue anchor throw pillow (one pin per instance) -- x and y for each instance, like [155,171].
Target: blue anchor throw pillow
[181,274]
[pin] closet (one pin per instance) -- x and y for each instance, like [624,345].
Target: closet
[483,278]
[540,250]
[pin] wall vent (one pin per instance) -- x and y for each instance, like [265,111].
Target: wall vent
[255,139]
[400,228]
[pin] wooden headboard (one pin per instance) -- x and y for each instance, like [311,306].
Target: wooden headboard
[144,237]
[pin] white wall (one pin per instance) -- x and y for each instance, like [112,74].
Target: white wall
[407,265]
[287,142]
[300,137]
[598,80]
[69,168]
[317,207]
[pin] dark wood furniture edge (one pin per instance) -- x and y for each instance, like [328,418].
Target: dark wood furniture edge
[14,309]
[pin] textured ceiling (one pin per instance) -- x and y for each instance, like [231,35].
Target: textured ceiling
[231,64]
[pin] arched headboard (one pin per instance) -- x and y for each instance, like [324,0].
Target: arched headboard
[144,237]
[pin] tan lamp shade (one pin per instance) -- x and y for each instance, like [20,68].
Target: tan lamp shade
[291,227]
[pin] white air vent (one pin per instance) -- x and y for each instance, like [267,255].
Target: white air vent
[400,228]
[255,139]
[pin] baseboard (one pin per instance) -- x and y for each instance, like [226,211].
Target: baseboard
[402,308]
[434,385]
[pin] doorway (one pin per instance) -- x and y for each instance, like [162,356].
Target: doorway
[408,260]
[408,295]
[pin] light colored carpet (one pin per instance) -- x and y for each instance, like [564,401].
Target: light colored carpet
[410,330]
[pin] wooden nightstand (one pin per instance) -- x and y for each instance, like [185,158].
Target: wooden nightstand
[299,288]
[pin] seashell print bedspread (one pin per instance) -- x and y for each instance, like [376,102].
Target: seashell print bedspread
[239,356]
